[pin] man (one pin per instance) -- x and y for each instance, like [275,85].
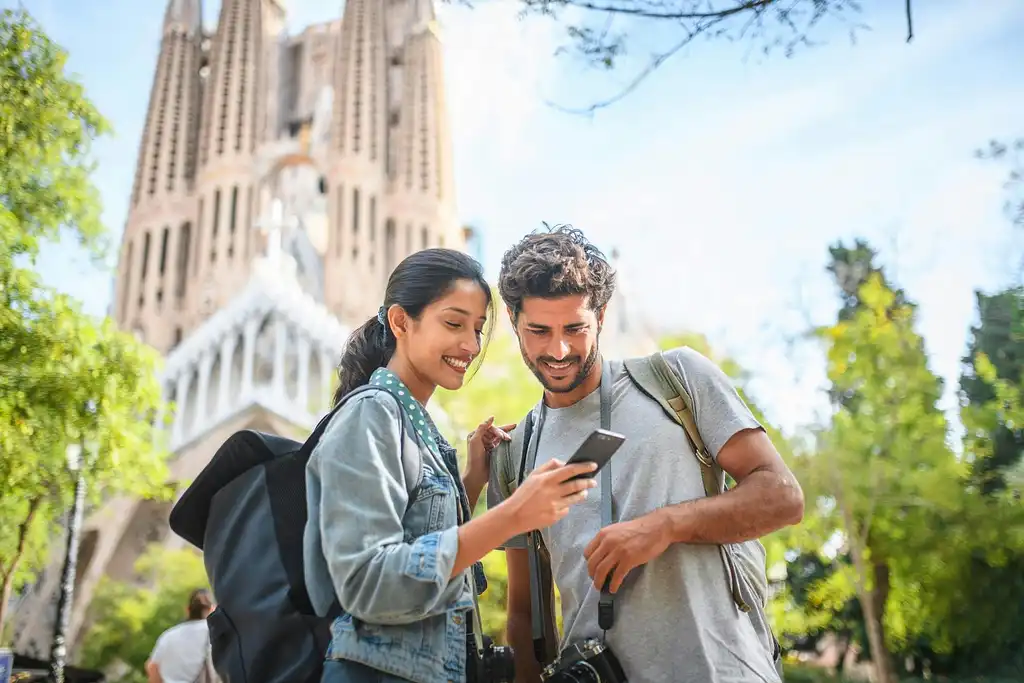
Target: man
[675,618]
[180,653]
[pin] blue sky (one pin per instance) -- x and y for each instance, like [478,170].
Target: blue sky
[722,180]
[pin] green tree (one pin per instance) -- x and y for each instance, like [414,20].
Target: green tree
[65,378]
[881,475]
[985,624]
[998,343]
[131,617]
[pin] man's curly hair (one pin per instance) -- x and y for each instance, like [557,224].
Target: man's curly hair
[554,262]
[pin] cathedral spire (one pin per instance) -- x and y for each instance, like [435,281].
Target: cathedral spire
[361,82]
[232,111]
[424,146]
[357,177]
[165,162]
[423,13]
[185,15]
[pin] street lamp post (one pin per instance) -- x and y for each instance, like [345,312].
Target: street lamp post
[66,600]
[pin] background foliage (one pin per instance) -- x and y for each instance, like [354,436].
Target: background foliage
[134,615]
[66,379]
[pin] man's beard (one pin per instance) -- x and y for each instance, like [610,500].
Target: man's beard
[585,369]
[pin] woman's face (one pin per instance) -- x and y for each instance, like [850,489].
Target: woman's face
[446,338]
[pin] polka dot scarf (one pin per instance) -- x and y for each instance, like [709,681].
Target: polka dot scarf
[382,377]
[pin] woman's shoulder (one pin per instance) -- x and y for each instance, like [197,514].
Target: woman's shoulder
[371,400]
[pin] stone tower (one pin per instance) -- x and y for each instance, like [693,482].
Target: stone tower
[280,178]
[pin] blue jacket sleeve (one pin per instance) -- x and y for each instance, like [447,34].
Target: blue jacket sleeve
[378,576]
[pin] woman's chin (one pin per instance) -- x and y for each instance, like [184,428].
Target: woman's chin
[452,381]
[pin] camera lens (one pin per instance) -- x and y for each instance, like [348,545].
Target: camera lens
[582,672]
[503,668]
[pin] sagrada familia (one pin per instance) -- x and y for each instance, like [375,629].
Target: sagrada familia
[280,178]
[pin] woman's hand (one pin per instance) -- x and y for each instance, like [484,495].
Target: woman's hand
[547,494]
[482,441]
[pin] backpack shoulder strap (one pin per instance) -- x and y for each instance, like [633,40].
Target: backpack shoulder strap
[510,463]
[655,377]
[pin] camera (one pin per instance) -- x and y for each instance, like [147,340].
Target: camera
[587,662]
[494,665]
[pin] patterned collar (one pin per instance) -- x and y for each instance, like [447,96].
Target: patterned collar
[382,377]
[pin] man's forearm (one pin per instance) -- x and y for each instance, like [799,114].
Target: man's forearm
[764,502]
[519,634]
[153,672]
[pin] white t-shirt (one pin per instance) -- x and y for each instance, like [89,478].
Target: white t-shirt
[181,650]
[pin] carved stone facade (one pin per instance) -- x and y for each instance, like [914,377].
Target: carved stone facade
[357,103]
[279,181]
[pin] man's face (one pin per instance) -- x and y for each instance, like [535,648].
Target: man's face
[559,340]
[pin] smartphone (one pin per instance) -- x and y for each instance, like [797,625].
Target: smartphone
[599,447]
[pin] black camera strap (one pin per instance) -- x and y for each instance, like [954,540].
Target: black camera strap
[606,604]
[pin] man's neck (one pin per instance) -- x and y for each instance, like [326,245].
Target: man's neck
[568,398]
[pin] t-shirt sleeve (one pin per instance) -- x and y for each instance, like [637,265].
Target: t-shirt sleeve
[501,460]
[717,407]
[159,650]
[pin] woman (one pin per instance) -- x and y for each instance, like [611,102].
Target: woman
[389,523]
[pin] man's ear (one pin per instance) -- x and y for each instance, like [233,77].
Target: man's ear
[600,316]
[512,319]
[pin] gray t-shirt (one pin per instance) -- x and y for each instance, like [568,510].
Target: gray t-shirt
[675,619]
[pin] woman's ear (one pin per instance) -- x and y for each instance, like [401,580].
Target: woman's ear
[398,321]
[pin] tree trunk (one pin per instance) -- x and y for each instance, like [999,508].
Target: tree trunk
[5,598]
[872,602]
[12,566]
[873,607]
[879,596]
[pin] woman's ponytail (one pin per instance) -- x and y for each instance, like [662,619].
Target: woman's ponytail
[368,348]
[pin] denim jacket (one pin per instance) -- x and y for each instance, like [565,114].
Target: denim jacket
[383,508]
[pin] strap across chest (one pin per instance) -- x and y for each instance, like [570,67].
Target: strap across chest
[606,607]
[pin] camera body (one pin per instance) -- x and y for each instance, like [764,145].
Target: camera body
[494,665]
[589,661]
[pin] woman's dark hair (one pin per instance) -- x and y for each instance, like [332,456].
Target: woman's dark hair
[555,262]
[418,281]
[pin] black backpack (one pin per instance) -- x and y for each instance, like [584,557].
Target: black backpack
[247,512]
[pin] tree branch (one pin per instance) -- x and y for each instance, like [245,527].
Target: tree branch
[7,572]
[656,61]
[23,530]
[636,11]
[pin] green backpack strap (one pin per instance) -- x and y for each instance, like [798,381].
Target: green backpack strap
[656,378]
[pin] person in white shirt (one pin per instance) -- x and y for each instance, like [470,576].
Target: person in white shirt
[180,652]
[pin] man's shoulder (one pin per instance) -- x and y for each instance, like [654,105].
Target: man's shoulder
[688,359]
[691,366]
[183,635]
[507,454]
